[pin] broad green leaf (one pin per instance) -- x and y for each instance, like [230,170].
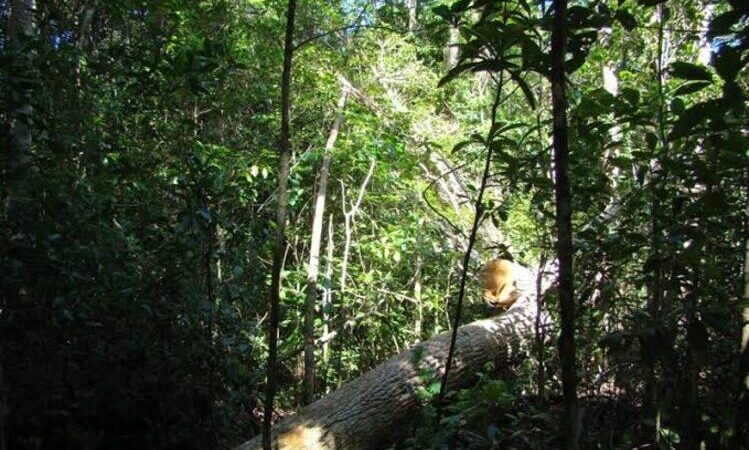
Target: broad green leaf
[455,72]
[728,63]
[461,145]
[460,6]
[626,19]
[529,97]
[691,87]
[722,23]
[651,139]
[733,95]
[677,106]
[577,16]
[687,122]
[650,2]
[631,95]
[442,11]
[501,127]
[689,71]
[532,54]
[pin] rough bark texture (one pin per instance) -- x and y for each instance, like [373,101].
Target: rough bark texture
[376,409]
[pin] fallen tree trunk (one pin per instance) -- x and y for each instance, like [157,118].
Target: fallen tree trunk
[376,409]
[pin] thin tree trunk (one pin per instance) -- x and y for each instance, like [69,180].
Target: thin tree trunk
[375,410]
[327,298]
[564,227]
[348,224]
[419,323]
[278,252]
[611,85]
[452,51]
[413,14]
[314,255]
[705,52]
[540,329]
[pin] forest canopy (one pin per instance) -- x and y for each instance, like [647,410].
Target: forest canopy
[217,212]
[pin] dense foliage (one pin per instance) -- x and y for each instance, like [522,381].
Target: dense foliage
[139,183]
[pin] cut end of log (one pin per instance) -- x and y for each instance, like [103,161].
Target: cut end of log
[301,438]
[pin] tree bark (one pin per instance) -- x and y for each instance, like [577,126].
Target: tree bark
[376,409]
[278,252]
[327,297]
[418,323]
[452,50]
[413,14]
[564,227]
[314,255]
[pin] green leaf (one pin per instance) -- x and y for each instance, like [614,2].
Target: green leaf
[460,6]
[461,145]
[691,87]
[722,23]
[532,54]
[626,19]
[728,63]
[733,95]
[688,71]
[577,15]
[501,127]
[651,139]
[476,137]
[631,95]
[455,72]
[525,88]
[687,122]
[442,11]
[497,127]
[677,106]
[650,2]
